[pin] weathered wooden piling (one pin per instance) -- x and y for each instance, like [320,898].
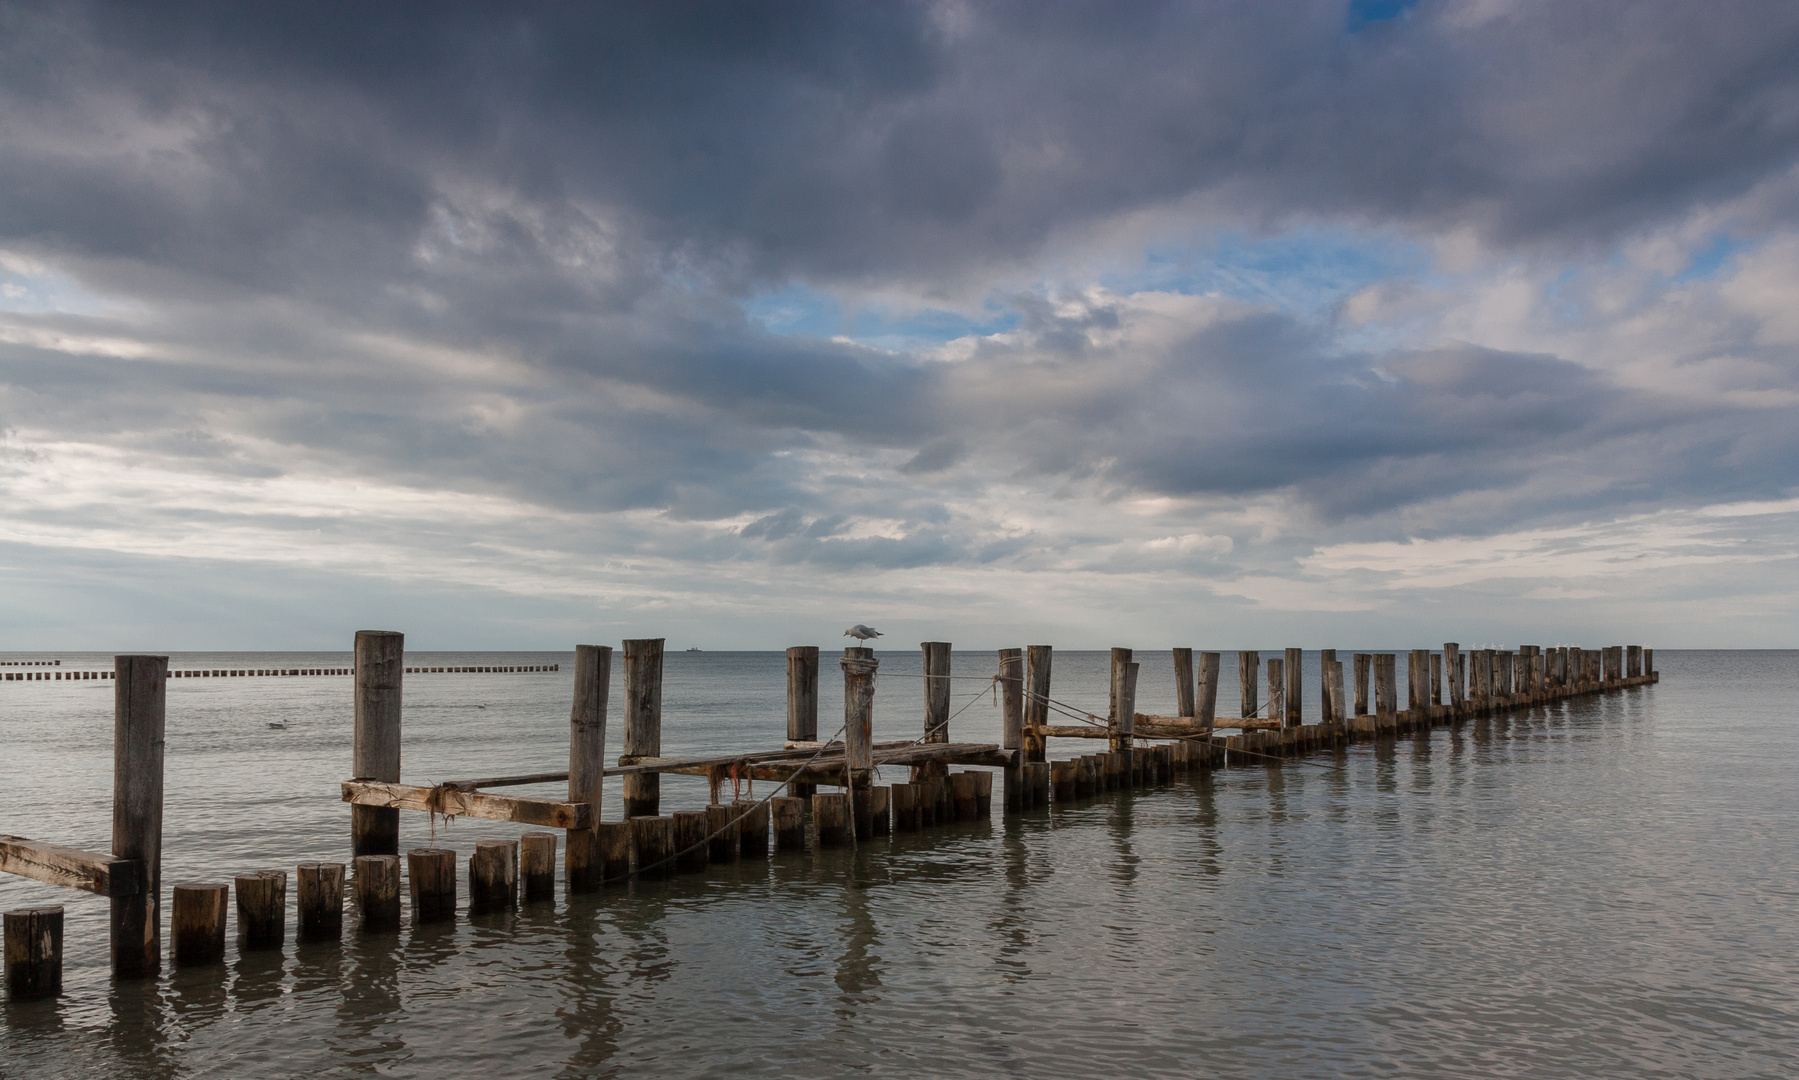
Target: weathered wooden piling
[905,806]
[1452,667]
[752,828]
[880,803]
[802,704]
[1039,779]
[936,690]
[1386,695]
[431,875]
[643,723]
[139,689]
[582,861]
[1062,779]
[1011,730]
[859,669]
[1333,692]
[721,833]
[831,816]
[1185,700]
[653,845]
[928,800]
[612,847]
[262,909]
[493,876]
[1363,662]
[962,791]
[537,865]
[197,923]
[1436,678]
[33,952]
[1292,670]
[1207,689]
[1277,689]
[692,851]
[319,893]
[380,671]
[788,818]
[1249,669]
[1036,703]
[378,891]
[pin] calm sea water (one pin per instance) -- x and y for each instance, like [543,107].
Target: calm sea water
[1602,888]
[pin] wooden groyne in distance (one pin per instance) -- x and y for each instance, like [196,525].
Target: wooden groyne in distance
[225,673]
[1142,751]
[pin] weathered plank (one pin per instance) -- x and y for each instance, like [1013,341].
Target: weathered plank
[452,802]
[103,875]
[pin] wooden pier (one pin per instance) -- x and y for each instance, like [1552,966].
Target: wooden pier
[1140,750]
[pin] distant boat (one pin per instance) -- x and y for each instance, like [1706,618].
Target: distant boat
[278,725]
[693,648]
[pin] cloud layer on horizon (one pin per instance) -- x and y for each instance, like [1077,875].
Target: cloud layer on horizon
[1145,321]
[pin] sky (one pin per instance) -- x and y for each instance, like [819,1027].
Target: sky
[1229,325]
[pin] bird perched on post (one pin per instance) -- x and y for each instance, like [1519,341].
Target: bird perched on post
[862,633]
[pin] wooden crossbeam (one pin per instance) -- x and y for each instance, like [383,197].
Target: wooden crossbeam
[453,802]
[105,875]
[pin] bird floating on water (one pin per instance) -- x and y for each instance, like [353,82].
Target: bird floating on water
[278,725]
[862,633]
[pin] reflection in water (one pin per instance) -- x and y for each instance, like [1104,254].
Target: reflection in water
[139,1034]
[584,1008]
[858,966]
[365,1037]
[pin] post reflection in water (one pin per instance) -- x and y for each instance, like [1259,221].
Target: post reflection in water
[584,1008]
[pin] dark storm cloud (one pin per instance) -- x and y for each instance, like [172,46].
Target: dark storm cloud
[587,191]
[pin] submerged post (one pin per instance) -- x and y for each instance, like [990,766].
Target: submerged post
[802,703]
[1036,700]
[1184,701]
[643,723]
[320,892]
[378,891]
[197,923]
[587,762]
[34,952]
[262,909]
[139,689]
[380,667]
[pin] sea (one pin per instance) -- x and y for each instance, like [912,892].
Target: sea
[1605,887]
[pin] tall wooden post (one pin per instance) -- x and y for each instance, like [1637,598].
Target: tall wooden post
[1277,691]
[1452,666]
[1436,678]
[1122,725]
[1124,730]
[1293,670]
[802,704]
[1333,682]
[1249,668]
[1011,731]
[1386,695]
[643,723]
[1036,700]
[1648,661]
[1208,689]
[1184,702]
[380,668]
[1328,714]
[140,684]
[859,667]
[587,761]
[1362,662]
[936,690]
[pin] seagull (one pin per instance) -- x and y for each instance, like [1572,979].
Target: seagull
[862,633]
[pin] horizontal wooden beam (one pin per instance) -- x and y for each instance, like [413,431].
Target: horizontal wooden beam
[105,875]
[454,802]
